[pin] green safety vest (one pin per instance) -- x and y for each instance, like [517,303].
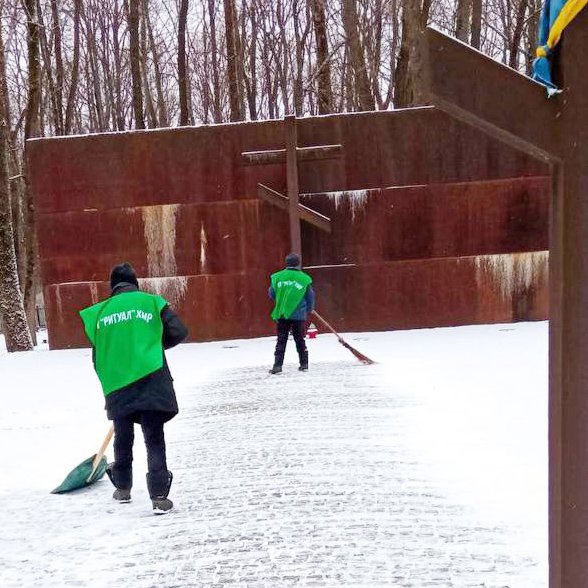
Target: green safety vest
[290,287]
[126,332]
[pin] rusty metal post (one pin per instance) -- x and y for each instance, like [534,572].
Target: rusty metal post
[291,137]
[467,85]
[556,383]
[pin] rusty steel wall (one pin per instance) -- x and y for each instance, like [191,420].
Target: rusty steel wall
[425,212]
[436,220]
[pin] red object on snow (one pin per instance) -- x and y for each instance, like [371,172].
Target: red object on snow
[312,331]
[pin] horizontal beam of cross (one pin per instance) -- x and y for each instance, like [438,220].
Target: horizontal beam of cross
[306,214]
[312,153]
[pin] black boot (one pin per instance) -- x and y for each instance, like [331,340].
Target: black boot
[121,494]
[162,505]
[303,356]
[159,485]
[277,369]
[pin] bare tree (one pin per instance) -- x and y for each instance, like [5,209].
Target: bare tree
[323,60]
[162,111]
[16,330]
[408,88]
[135,61]
[231,33]
[115,64]
[532,34]
[54,84]
[462,19]
[249,60]
[214,60]
[75,69]
[118,67]
[365,99]
[149,105]
[476,23]
[31,129]
[182,72]
[302,28]
[517,35]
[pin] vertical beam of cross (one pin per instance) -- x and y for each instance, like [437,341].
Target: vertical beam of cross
[291,136]
[291,155]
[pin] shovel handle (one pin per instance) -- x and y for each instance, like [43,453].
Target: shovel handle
[101,451]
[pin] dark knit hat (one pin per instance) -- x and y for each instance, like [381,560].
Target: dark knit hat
[293,260]
[123,272]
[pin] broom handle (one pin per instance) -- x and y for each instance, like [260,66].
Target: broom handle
[101,451]
[322,320]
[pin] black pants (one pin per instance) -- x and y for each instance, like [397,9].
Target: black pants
[284,326]
[121,472]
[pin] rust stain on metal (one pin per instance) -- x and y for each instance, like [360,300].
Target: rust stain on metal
[408,219]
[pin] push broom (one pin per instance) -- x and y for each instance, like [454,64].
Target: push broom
[363,358]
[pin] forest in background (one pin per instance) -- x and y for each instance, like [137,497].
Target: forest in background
[77,67]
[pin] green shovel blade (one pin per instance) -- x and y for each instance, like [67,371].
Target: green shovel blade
[79,476]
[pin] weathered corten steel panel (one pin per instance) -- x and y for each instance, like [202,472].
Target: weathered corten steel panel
[435,292]
[438,220]
[221,306]
[181,205]
[378,296]
[204,164]
[165,240]
[446,220]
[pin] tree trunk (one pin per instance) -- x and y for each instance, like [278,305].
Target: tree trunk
[118,102]
[162,116]
[282,54]
[374,33]
[532,28]
[214,58]
[31,129]
[463,12]
[182,73]
[231,33]
[54,90]
[517,34]
[16,330]
[34,73]
[251,80]
[149,106]
[476,23]
[323,60]
[408,87]
[95,82]
[302,29]
[58,63]
[75,69]
[395,35]
[365,99]
[135,60]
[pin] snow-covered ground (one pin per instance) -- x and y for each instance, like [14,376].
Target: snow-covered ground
[428,469]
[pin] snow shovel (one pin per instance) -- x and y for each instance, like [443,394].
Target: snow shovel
[363,358]
[87,472]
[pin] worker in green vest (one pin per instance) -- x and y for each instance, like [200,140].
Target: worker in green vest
[291,290]
[129,332]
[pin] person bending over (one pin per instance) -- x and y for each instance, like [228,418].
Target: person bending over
[129,332]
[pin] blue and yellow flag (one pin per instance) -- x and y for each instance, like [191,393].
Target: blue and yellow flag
[556,15]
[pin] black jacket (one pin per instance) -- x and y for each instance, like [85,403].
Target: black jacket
[154,392]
